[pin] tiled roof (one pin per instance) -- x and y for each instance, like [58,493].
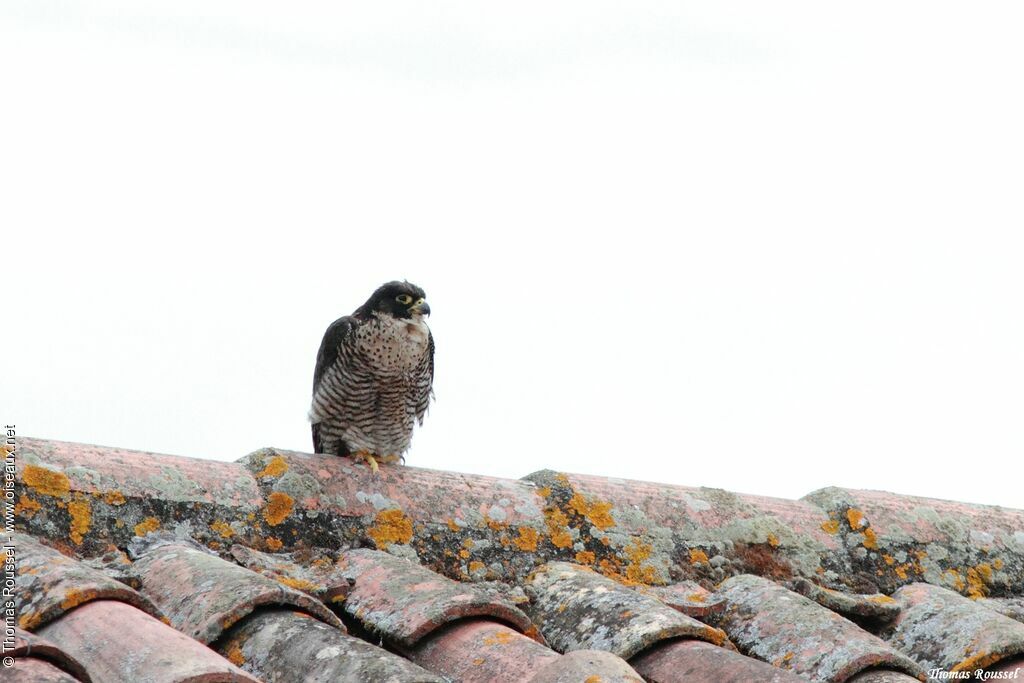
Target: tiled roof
[294,567]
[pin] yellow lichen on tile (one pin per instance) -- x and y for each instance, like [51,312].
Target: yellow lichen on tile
[979,661]
[773,540]
[475,566]
[997,564]
[279,507]
[557,522]
[273,544]
[783,661]
[956,579]
[870,540]
[698,556]
[978,579]
[831,526]
[223,529]
[390,526]
[561,539]
[594,679]
[147,526]
[855,517]
[697,597]
[298,584]
[275,468]
[889,560]
[901,571]
[585,557]
[468,543]
[26,506]
[81,519]
[881,599]
[527,540]
[114,497]
[234,653]
[464,554]
[637,553]
[499,638]
[46,482]
[73,598]
[596,512]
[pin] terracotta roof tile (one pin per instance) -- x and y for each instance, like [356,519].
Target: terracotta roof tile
[688,597]
[49,662]
[941,629]
[479,650]
[403,601]
[259,558]
[897,540]
[881,676]
[51,584]
[118,643]
[203,595]
[587,665]
[851,605]
[1009,607]
[312,573]
[1013,666]
[779,626]
[468,526]
[282,645]
[578,609]
[696,661]
[32,670]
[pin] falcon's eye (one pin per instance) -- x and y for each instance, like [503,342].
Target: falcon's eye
[404,299]
[419,302]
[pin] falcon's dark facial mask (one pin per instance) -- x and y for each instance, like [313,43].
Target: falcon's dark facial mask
[400,300]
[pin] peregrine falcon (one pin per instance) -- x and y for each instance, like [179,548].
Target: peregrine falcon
[373,377]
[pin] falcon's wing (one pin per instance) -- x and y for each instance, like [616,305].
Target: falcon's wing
[334,337]
[423,402]
[328,353]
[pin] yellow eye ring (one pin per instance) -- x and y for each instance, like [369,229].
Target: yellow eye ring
[404,299]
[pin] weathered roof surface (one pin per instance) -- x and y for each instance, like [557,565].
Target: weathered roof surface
[289,567]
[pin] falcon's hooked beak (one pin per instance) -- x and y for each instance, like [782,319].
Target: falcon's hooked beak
[421,308]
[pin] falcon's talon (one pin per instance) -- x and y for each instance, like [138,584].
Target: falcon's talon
[390,458]
[368,458]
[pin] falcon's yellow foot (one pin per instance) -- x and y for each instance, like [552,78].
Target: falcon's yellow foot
[368,458]
[391,458]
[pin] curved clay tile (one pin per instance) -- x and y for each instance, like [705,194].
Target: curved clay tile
[204,595]
[118,643]
[784,628]
[291,647]
[403,601]
[942,629]
[578,609]
[50,662]
[50,584]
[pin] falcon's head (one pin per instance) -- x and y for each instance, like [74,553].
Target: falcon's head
[398,300]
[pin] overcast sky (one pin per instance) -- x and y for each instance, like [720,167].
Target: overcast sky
[767,247]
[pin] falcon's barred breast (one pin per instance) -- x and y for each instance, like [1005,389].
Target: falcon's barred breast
[373,376]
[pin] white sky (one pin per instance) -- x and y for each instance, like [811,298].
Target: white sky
[767,247]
